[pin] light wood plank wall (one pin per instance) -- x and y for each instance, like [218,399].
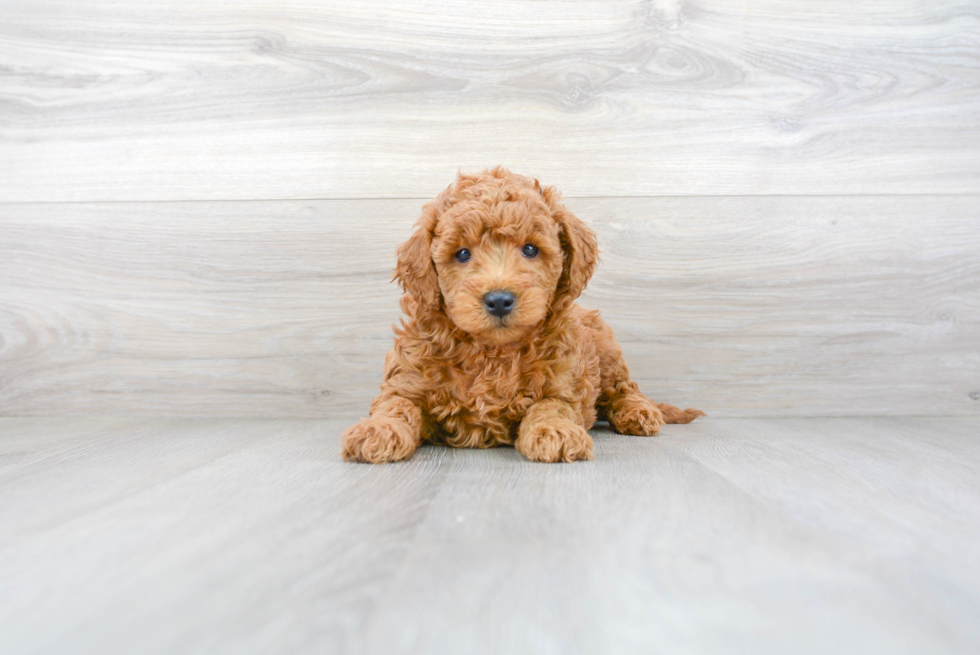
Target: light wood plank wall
[199,202]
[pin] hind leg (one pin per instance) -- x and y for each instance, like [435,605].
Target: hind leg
[620,400]
[626,408]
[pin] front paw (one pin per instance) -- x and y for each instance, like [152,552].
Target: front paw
[560,440]
[376,440]
[636,415]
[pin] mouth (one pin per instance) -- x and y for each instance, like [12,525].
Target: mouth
[501,333]
[493,316]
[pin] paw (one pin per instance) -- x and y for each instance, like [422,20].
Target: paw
[560,440]
[376,440]
[635,415]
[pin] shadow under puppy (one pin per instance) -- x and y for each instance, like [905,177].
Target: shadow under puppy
[494,349]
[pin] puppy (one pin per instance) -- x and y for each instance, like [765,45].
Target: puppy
[494,350]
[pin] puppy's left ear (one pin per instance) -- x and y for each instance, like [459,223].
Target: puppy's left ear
[580,248]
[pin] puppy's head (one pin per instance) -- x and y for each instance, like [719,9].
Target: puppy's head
[496,253]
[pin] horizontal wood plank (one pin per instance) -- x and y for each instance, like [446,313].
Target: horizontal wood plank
[740,306]
[178,101]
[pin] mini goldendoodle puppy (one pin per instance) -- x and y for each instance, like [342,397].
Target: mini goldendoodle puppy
[494,350]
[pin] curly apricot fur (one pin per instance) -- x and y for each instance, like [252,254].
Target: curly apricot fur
[536,378]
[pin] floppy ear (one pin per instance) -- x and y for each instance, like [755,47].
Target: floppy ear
[415,272]
[581,251]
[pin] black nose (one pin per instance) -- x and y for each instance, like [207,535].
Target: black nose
[499,303]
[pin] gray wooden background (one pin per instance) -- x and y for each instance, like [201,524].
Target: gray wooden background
[200,202]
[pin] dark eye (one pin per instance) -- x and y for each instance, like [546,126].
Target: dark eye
[529,250]
[463,255]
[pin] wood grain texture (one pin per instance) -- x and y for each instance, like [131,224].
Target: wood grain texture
[178,101]
[740,306]
[249,536]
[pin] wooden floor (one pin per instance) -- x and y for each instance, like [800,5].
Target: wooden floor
[727,535]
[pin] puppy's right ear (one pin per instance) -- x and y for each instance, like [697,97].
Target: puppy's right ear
[415,272]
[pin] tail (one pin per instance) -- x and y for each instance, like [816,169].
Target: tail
[674,415]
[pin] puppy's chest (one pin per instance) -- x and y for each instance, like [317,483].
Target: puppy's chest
[495,389]
[481,403]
